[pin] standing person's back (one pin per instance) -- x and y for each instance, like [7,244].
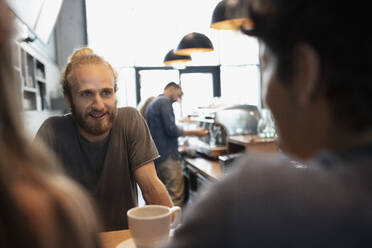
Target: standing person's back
[161,121]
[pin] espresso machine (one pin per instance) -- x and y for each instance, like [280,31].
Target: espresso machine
[228,121]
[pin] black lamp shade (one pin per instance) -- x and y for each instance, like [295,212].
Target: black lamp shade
[172,58]
[194,42]
[228,17]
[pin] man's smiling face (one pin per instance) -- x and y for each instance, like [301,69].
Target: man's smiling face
[93,100]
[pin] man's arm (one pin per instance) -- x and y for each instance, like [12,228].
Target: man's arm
[195,132]
[167,115]
[153,190]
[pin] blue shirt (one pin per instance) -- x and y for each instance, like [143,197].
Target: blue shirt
[161,121]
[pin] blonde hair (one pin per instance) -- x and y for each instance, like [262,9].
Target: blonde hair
[142,106]
[80,57]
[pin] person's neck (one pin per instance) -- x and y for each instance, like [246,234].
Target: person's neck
[337,140]
[324,134]
[167,94]
[91,137]
[342,140]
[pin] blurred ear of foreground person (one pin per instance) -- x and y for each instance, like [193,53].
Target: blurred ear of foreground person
[39,206]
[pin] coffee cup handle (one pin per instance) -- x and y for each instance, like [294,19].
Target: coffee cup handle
[178,213]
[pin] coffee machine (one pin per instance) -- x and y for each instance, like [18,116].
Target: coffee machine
[224,122]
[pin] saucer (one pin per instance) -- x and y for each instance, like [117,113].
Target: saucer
[129,243]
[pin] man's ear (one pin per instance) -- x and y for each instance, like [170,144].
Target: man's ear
[306,73]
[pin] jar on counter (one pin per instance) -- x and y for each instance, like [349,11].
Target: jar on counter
[265,126]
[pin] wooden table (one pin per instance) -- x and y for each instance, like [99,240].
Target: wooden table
[113,238]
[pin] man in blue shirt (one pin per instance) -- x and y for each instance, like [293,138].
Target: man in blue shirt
[161,121]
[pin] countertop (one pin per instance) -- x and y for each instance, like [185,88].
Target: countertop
[208,168]
[248,139]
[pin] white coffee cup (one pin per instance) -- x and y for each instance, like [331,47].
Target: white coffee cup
[150,225]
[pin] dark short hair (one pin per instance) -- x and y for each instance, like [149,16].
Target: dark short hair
[339,32]
[172,85]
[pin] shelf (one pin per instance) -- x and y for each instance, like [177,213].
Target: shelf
[40,70]
[29,101]
[29,83]
[30,74]
[40,79]
[29,89]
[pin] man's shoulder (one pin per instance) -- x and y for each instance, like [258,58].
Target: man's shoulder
[56,127]
[127,117]
[157,104]
[272,169]
[263,164]
[125,112]
[163,99]
[58,121]
[272,177]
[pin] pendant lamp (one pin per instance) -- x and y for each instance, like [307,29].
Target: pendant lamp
[172,58]
[228,16]
[192,43]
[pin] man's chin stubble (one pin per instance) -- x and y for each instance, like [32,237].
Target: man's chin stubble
[94,130]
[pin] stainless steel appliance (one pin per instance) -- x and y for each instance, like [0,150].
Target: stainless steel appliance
[239,119]
[234,120]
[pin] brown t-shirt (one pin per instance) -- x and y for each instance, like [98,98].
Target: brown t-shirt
[112,184]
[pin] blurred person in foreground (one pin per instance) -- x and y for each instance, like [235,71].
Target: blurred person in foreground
[106,149]
[39,206]
[318,68]
[159,115]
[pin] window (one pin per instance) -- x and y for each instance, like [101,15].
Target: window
[152,82]
[197,91]
[240,84]
[199,84]
[141,32]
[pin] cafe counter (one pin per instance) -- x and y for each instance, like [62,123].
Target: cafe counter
[210,169]
[202,171]
[251,143]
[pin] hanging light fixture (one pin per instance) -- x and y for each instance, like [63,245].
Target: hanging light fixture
[172,58]
[192,43]
[228,16]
